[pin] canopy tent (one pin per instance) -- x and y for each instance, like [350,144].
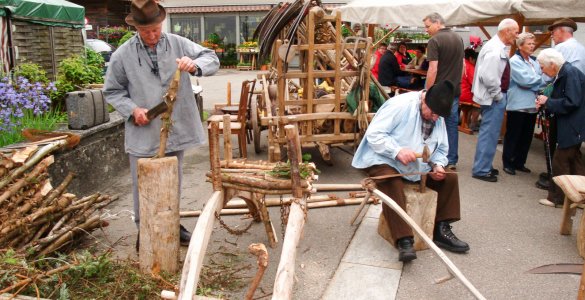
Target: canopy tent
[462,12]
[46,12]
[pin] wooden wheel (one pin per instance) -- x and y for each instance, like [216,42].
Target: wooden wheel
[255,126]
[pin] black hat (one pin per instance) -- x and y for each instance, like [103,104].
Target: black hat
[145,13]
[563,22]
[439,98]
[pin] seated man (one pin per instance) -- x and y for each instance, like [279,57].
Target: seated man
[401,127]
[389,73]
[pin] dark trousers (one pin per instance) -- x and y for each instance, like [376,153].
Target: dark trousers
[447,200]
[519,132]
[567,161]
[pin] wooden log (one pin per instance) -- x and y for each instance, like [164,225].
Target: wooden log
[214,159]
[265,217]
[450,265]
[320,187]
[197,246]
[158,187]
[20,183]
[167,121]
[227,139]
[261,183]
[68,237]
[258,250]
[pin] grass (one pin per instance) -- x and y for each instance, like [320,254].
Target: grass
[47,121]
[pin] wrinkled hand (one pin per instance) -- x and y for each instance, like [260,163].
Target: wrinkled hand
[140,118]
[438,173]
[406,156]
[186,64]
[541,101]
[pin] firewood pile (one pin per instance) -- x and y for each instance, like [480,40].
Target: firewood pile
[36,218]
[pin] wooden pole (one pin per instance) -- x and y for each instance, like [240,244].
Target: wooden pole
[214,156]
[158,188]
[258,250]
[227,139]
[283,283]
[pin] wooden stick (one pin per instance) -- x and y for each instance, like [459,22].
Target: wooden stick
[167,121]
[22,182]
[214,156]
[29,280]
[337,187]
[258,250]
[359,210]
[450,265]
[385,36]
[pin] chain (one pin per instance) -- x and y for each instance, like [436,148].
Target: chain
[235,231]
[303,206]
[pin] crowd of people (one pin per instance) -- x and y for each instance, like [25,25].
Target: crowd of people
[516,87]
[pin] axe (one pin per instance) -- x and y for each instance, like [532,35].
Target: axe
[154,112]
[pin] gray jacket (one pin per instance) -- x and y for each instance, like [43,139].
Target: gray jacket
[489,68]
[130,83]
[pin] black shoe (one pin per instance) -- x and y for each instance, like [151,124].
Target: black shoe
[509,171]
[138,242]
[406,251]
[184,236]
[543,182]
[446,239]
[523,169]
[494,172]
[489,177]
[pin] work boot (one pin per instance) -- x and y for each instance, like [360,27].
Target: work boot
[446,239]
[184,236]
[406,251]
[543,182]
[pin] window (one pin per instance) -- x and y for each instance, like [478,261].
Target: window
[248,24]
[189,27]
[224,26]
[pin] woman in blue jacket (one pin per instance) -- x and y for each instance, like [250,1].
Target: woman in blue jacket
[525,81]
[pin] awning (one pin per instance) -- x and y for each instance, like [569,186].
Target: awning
[232,8]
[46,12]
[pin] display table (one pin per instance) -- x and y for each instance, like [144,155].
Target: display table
[247,58]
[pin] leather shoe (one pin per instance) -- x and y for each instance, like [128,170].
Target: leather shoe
[184,236]
[446,239]
[406,251]
[547,202]
[489,177]
[523,169]
[494,172]
[510,171]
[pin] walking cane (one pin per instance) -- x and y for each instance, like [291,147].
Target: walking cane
[544,183]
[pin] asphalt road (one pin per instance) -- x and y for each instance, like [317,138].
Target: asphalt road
[508,231]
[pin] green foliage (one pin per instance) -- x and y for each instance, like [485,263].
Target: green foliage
[306,168]
[126,37]
[74,73]
[49,121]
[112,34]
[214,38]
[31,71]
[94,58]
[345,32]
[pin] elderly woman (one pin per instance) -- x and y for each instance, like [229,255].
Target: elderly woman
[567,103]
[525,81]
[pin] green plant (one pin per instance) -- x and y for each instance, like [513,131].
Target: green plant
[74,73]
[94,58]
[126,37]
[214,38]
[306,168]
[32,72]
[345,32]
[244,64]
[48,121]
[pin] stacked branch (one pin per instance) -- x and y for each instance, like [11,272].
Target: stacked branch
[36,218]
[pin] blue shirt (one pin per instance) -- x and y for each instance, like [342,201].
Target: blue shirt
[397,125]
[573,52]
[525,81]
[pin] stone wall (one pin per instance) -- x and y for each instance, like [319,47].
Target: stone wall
[95,161]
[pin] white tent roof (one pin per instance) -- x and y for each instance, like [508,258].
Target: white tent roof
[461,12]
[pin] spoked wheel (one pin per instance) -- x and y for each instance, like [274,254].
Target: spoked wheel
[255,125]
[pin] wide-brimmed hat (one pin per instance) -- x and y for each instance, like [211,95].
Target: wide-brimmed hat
[563,22]
[439,98]
[145,13]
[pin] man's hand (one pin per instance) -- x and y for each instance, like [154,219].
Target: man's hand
[438,173]
[186,64]
[140,118]
[406,156]
[541,101]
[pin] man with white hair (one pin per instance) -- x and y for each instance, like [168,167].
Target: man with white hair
[490,85]
[567,102]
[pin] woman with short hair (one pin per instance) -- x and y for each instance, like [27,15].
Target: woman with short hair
[525,82]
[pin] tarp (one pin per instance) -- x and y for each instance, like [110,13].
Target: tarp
[461,12]
[46,12]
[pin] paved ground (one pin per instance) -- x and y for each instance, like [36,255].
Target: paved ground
[509,233]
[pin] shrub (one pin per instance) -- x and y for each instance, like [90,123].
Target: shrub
[74,73]
[94,58]
[126,37]
[32,72]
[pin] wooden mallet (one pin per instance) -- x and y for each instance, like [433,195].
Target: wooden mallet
[425,155]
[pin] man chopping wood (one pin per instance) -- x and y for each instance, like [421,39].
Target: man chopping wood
[138,77]
[403,126]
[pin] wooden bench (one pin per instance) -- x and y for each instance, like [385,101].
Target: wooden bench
[422,208]
[574,188]
[466,115]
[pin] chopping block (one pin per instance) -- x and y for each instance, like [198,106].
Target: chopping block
[421,206]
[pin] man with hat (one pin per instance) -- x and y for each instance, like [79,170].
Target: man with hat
[140,73]
[573,51]
[403,126]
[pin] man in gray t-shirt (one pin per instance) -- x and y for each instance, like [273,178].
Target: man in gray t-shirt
[445,53]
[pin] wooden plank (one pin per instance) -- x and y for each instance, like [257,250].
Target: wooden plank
[338,53]
[323,47]
[309,90]
[198,245]
[319,74]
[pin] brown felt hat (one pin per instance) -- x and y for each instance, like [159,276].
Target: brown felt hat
[563,22]
[145,13]
[439,98]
